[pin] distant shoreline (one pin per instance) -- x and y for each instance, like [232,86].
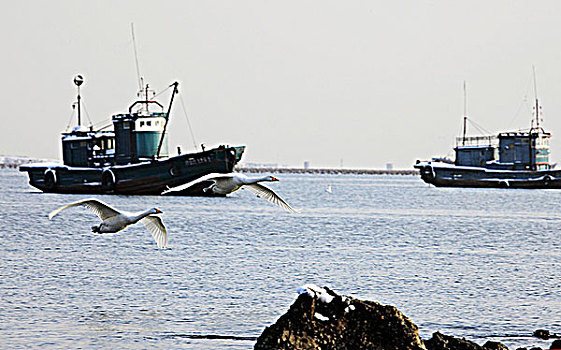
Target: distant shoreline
[13,162]
[331,171]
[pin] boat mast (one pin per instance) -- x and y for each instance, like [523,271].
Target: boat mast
[167,118]
[136,58]
[78,80]
[465,115]
[531,144]
[537,107]
[146,98]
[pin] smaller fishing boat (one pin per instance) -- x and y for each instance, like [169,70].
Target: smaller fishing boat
[132,158]
[517,159]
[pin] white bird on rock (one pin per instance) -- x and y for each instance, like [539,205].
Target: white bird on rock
[227,183]
[115,221]
[316,292]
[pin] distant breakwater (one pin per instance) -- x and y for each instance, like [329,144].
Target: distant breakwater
[326,171]
[15,162]
[9,166]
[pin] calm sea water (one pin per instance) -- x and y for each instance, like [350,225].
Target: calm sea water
[471,263]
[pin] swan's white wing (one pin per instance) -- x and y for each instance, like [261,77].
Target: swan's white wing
[155,225]
[102,210]
[211,176]
[270,195]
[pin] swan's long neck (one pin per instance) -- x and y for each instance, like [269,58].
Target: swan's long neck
[141,215]
[250,181]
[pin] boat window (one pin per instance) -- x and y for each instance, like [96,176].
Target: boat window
[149,123]
[141,124]
[107,144]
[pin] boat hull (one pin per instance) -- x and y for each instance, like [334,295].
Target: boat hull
[448,175]
[145,178]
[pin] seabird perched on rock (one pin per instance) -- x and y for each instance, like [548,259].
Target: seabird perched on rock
[322,294]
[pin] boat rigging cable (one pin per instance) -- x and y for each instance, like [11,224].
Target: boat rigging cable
[73,112]
[167,118]
[70,120]
[140,87]
[184,112]
[524,102]
[479,127]
[188,122]
[465,120]
[136,58]
[87,114]
[104,124]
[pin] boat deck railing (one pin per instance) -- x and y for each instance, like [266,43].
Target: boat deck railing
[477,141]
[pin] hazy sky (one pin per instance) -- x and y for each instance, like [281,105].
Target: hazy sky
[364,83]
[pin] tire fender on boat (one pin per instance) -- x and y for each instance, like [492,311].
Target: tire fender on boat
[174,171]
[50,179]
[546,180]
[108,180]
[428,172]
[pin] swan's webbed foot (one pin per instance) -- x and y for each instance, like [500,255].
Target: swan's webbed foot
[96,229]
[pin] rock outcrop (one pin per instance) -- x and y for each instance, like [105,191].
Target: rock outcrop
[322,319]
[441,341]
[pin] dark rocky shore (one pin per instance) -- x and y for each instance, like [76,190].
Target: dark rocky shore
[322,319]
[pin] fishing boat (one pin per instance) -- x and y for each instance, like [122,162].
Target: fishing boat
[517,159]
[133,158]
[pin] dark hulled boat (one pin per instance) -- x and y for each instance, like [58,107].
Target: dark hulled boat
[131,159]
[518,159]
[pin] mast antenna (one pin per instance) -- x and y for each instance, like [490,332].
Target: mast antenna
[78,80]
[465,115]
[536,97]
[136,58]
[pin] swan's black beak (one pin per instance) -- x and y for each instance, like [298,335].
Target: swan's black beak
[274,178]
[158,211]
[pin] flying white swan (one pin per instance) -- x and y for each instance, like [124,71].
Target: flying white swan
[227,183]
[115,221]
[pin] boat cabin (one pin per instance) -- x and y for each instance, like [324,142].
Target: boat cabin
[87,148]
[525,150]
[139,135]
[508,151]
[475,151]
